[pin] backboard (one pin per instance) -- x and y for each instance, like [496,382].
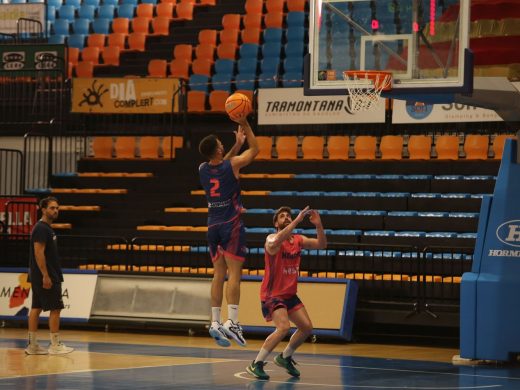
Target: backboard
[423,43]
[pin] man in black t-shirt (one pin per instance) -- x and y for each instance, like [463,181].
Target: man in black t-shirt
[46,277]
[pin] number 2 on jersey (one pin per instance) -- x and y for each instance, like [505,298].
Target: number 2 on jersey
[213,192]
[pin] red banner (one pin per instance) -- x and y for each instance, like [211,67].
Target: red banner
[18,214]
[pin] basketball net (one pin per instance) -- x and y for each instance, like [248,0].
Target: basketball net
[365,87]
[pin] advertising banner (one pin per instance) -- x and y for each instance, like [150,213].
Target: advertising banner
[417,112]
[124,95]
[10,13]
[77,293]
[20,216]
[32,57]
[288,106]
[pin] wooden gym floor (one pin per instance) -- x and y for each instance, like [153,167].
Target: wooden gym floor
[115,360]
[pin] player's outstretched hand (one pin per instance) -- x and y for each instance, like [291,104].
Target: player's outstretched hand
[241,119]
[314,217]
[301,215]
[240,136]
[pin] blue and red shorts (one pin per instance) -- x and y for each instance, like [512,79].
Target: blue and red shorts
[270,305]
[228,238]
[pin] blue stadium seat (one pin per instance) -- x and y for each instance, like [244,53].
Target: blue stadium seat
[410,234]
[75,3]
[154,2]
[256,251]
[463,215]
[395,194]
[247,65]
[441,234]
[389,177]
[81,26]
[87,11]
[295,34]
[432,214]
[448,177]
[273,35]
[57,39]
[106,11]
[126,11]
[417,177]
[76,40]
[101,25]
[338,176]
[54,3]
[222,82]
[132,2]
[51,13]
[67,12]
[293,64]
[94,3]
[282,193]
[467,235]
[478,196]
[479,177]
[294,49]
[198,82]
[292,79]
[271,49]
[366,194]
[341,212]
[402,213]
[61,27]
[339,193]
[310,193]
[224,66]
[268,80]
[346,232]
[430,195]
[387,254]
[249,50]
[455,196]
[199,249]
[295,19]
[270,65]
[245,81]
[361,177]
[115,3]
[356,253]
[260,211]
[260,230]
[373,213]
[379,233]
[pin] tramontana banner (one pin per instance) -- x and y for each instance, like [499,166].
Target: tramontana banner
[125,96]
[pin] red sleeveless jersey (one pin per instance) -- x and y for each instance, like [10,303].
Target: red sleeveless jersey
[281,270]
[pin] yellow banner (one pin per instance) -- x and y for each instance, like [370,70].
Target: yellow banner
[124,96]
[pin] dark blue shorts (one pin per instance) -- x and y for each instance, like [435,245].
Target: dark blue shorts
[228,239]
[269,306]
[47,299]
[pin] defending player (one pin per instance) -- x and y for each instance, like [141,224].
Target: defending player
[226,231]
[279,286]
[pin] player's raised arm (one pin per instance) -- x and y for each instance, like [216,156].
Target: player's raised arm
[274,241]
[251,152]
[240,137]
[320,242]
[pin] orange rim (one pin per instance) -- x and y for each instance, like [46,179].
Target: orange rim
[381,79]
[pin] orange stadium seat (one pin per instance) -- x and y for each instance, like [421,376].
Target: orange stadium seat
[140,25]
[183,51]
[476,146]
[196,101]
[275,5]
[149,147]
[73,55]
[227,50]
[217,100]
[102,147]
[125,147]
[200,66]
[229,35]
[161,26]
[265,144]
[157,68]
[254,6]
[208,36]
[447,147]
[137,41]
[165,10]
[273,20]
[96,40]
[252,20]
[231,21]
[90,54]
[84,69]
[391,147]
[312,147]
[365,147]
[145,10]
[287,147]
[251,35]
[111,55]
[337,146]
[169,145]
[205,51]
[117,39]
[120,25]
[183,11]
[419,147]
[180,69]
[296,5]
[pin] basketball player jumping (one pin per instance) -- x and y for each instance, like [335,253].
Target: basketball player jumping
[280,303]
[226,230]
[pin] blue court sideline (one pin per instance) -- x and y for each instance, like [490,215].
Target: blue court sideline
[225,369]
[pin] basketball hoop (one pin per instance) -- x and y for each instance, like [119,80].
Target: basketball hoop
[365,87]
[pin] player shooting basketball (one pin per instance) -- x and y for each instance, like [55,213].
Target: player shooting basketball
[280,303]
[226,230]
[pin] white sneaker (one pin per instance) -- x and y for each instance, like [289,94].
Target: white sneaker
[35,349]
[234,331]
[59,349]
[217,331]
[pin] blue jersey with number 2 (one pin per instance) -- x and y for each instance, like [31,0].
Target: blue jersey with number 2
[222,192]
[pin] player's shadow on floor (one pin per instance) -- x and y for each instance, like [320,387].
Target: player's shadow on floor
[259,384]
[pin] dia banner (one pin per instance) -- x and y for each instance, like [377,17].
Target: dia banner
[124,96]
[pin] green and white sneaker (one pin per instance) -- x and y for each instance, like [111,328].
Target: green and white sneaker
[287,363]
[257,370]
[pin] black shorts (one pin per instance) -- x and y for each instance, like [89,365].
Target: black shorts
[269,306]
[47,299]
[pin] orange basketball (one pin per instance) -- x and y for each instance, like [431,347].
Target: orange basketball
[237,104]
